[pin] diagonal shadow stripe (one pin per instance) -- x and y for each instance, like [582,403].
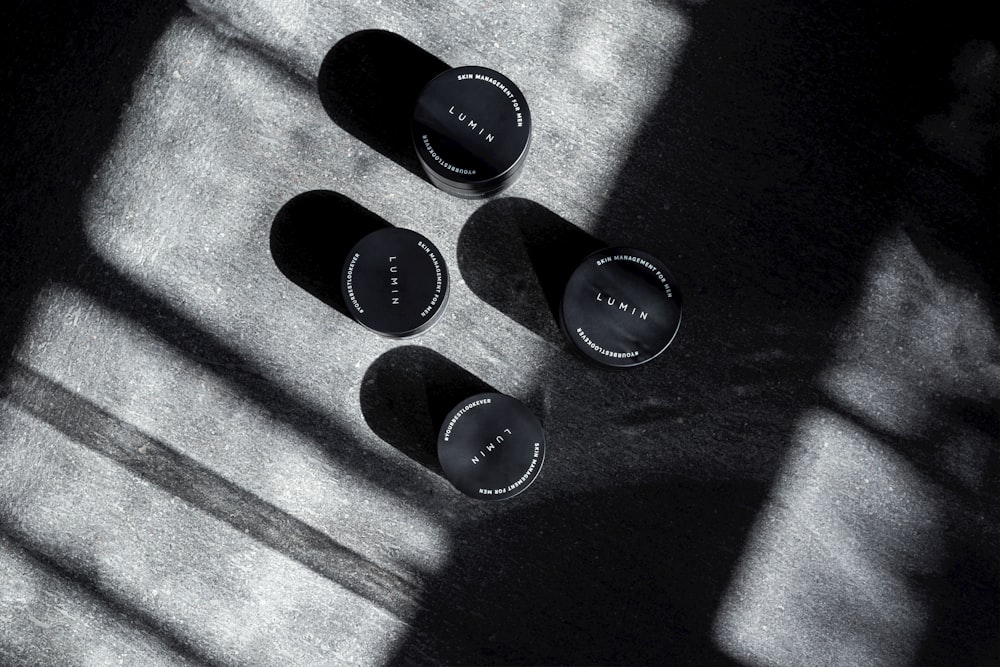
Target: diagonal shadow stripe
[924,451]
[185,478]
[68,577]
[119,293]
[231,34]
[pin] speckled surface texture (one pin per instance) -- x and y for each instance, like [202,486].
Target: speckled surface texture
[203,460]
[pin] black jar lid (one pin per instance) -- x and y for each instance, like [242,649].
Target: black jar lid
[471,131]
[621,307]
[491,446]
[395,282]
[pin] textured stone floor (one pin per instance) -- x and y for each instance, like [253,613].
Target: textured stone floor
[204,461]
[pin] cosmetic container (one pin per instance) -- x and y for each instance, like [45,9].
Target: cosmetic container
[620,307]
[491,446]
[394,281]
[471,131]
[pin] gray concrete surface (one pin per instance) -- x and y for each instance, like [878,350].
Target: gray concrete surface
[203,461]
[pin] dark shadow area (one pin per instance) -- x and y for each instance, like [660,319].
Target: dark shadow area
[963,629]
[773,164]
[948,100]
[158,463]
[517,255]
[89,583]
[67,72]
[369,82]
[406,394]
[623,575]
[764,177]
[952,224]
[779,154]
[311,236]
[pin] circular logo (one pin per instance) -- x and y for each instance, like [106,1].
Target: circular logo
[621,307]
[394,281]
[471,131]
[491,446]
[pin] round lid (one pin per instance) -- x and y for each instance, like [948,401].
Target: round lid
[395,282]
[621,307]
[491,446]
[471,130]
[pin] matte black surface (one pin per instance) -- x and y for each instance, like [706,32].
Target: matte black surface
[491,446]
[471,131]
[621,307]
[395,282]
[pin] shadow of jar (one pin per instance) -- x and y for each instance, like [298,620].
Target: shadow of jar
[369,82]
[311,236]
[488,445]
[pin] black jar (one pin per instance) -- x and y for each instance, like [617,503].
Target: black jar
[394,281]
[620,308]
[471,131]
[491,446]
